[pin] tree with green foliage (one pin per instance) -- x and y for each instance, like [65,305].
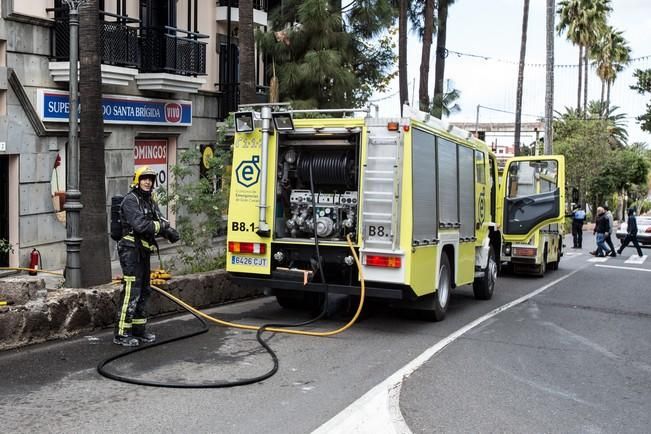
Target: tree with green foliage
[623,169]
[200,203]
[327,56]
[585,147]
[611,54]
[598,161]
[582,20]
[643,86]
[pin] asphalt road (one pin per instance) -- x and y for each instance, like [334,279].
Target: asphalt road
[573,358]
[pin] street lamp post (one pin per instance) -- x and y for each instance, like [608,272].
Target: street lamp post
[73,204]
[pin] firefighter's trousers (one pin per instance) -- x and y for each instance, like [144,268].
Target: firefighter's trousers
[135,263]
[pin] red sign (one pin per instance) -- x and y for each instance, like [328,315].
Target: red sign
[173,112]
[150,152]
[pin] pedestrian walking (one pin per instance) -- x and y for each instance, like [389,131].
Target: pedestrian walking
[631,233]
[578,219]
[611,226]
[141,223]
[600,230]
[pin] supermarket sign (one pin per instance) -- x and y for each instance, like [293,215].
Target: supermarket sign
[54,106]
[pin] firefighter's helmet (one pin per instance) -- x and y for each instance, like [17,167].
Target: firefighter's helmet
[143,172]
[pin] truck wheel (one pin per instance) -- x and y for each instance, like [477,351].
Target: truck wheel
[484,286]
[442,294]
[542,268]
[554,265]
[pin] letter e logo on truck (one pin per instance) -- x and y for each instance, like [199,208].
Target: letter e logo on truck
[248,172]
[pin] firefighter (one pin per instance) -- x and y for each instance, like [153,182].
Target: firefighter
[141,223]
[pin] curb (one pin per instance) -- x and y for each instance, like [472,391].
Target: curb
[38,314]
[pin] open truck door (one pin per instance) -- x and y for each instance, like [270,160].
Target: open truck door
[532,193]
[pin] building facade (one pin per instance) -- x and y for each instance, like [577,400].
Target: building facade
[500,135]
[169,75]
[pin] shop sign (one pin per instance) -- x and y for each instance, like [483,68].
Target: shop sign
[54,106]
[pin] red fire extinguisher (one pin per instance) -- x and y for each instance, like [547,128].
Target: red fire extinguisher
[34,262]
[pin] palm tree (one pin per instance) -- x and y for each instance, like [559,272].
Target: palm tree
[549,77]
[518,98]
[247,53]
[569,18]
[595,21]
[441,35]
[428,31]
[611,54]
[615,122]
[446,103]
[581,20]
[95,260]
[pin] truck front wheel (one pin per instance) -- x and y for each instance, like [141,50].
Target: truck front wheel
[484,286]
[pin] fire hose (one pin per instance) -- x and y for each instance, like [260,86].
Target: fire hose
[205,318]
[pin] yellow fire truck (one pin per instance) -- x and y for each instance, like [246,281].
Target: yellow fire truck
[416,197]
[531,251]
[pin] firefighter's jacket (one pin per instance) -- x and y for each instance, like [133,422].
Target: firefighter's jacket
[140,217]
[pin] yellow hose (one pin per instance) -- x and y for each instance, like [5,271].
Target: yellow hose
[362,294]
[31,269]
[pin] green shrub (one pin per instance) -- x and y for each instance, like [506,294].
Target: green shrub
[200,203]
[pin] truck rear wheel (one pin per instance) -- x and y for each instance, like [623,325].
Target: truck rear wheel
[484,286]
[442,294]
[559,251]
[542,268]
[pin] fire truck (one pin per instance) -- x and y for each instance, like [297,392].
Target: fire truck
[531,252]
[415,198]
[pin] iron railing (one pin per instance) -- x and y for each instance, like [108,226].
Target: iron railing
[119,43]
[261,5]
[164,51]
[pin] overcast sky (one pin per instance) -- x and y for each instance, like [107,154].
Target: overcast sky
[492,30]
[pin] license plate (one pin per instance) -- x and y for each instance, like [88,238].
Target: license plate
[247,260]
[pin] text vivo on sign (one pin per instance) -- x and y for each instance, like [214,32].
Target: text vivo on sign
[173,112]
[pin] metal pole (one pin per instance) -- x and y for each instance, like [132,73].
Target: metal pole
[73,204]
[477,122]
[264,230]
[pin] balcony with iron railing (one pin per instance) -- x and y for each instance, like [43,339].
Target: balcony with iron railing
[119,47]
[261,5]
[165,59]
[163,50]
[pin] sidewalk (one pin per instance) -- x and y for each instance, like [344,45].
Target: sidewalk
[43,310]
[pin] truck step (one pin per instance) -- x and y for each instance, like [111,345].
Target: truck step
[380,179]
[379,193]
[379,172]
[378,200]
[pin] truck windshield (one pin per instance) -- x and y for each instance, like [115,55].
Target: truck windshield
[526,178]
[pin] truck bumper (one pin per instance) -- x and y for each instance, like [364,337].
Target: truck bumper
[287,281]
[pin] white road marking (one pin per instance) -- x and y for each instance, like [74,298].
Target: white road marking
[570,254]
[635,259]
[604,259]
[623,268]
[378,410]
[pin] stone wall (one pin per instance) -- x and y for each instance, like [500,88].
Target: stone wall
[37,315]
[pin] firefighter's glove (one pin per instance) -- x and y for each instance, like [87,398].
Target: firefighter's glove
[164,225]
[172,235]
